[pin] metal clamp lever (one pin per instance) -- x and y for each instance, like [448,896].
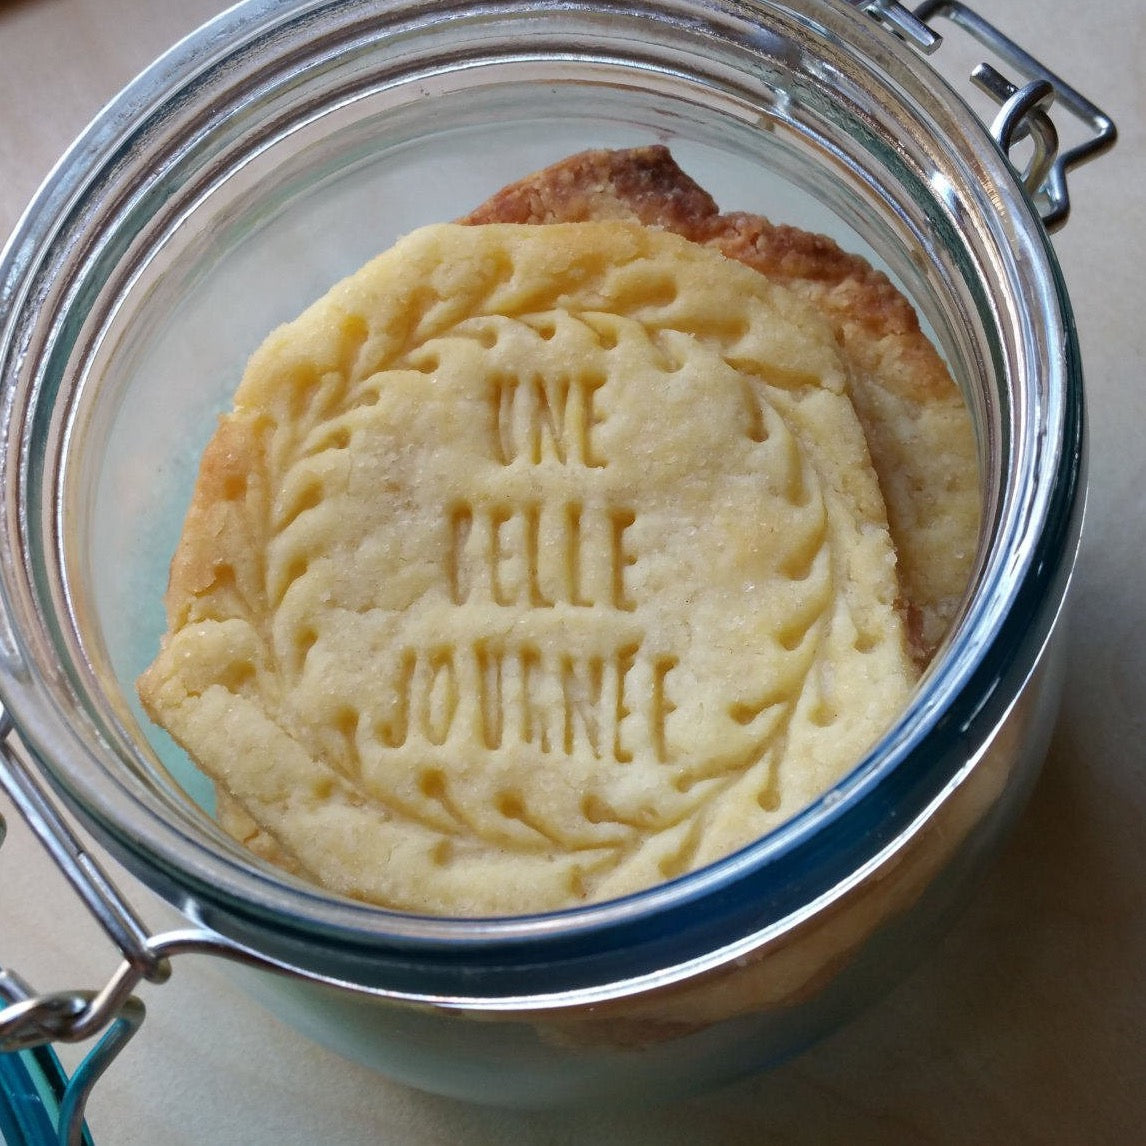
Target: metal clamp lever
[28,1019]
[1025,107]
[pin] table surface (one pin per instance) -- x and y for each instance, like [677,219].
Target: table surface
[1028,1022]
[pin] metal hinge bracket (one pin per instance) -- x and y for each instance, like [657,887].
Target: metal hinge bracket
[1025,102]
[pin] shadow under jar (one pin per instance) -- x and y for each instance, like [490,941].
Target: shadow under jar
[277,150]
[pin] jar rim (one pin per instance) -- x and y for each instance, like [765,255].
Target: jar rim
[1006,622]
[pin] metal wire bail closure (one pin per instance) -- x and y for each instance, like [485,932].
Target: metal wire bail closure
[29,1020]
[1025,108]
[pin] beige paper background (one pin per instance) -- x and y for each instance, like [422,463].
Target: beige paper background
[1028,1023]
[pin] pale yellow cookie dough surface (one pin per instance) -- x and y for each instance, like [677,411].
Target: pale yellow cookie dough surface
[534,565]
[918,427]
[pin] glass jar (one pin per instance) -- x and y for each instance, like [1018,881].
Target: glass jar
[275,151]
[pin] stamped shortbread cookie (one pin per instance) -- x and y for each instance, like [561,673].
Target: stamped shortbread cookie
[533,566]
[916,422]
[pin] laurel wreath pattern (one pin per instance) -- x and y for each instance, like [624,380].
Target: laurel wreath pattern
[309,417]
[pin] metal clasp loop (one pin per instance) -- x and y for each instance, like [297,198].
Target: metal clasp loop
[28,1020]
[1024,113]
[1024,116]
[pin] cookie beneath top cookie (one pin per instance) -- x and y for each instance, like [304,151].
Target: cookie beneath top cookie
[914,417]
[533,566]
